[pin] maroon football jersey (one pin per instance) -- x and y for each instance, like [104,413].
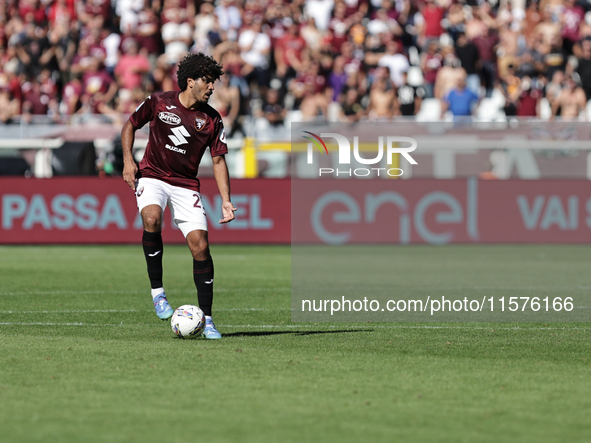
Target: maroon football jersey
[178,138]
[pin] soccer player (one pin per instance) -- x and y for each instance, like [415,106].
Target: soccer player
[182,126]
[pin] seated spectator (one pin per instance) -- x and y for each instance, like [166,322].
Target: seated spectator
[272,109]
[460,101]
[351,107]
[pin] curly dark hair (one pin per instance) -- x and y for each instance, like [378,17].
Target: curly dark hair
[197,66]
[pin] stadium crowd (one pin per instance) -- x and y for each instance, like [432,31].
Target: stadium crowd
[344,60]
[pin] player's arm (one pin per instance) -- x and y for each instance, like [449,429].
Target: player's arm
[222,178]
[142,115]
[129,166]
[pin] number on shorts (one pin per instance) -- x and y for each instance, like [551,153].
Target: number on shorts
[197,205]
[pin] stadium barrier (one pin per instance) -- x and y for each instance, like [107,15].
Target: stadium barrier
[102,211]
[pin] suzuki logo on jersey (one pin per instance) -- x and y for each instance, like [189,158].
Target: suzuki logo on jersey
[199,123]
[169,118]
[179,138]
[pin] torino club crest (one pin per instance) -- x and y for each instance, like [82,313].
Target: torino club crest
[199,124]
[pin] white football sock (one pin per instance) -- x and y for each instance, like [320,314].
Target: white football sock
[156,292]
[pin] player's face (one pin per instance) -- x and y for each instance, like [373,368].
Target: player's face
[202,89]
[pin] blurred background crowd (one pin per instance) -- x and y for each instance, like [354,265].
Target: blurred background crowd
[337,60]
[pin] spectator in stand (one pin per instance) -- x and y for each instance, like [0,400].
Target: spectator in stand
[529,99]
[9,106]
[229,19]
[460,101]
[205,22]
[226,100]
[148,33]
[381,97]
[312,35]
[511,88]
[62,11]
[177,35]
[584,66]
[467,53]
[308,90]
[486,53]
[99,89]
[272,109]
[431,63]
[288,52]
[571,101]
[320,11]
[337,78]
[449,74]
[71,94]
[555,59]
[432,15]
[40,97]
[132,66]
[255,47]
[395,61]
[554,89]
[127,11]
[351,107]
[570,21]
[408,99]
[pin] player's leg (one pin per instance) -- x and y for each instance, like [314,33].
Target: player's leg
[189,216]
[203,278]
[151,198]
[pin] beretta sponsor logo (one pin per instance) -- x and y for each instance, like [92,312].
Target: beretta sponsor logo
[170,118]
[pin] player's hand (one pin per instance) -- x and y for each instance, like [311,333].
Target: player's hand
[129,171]
[227,212]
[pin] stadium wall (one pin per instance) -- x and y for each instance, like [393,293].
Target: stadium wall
[103,210]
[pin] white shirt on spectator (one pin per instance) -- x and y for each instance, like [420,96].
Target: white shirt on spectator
[255,56]
[398,64]
[128,11]
[175,36]
[321,11]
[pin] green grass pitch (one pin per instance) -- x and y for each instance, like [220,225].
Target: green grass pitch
[84,358]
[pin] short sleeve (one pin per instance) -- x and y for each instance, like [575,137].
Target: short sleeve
[218,145]
[144,113]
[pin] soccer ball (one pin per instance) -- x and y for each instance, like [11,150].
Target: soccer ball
[187,321]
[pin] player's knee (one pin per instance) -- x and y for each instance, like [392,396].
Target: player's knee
[152,223]
[199,249]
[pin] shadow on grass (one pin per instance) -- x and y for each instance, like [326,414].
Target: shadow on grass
[261,333]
